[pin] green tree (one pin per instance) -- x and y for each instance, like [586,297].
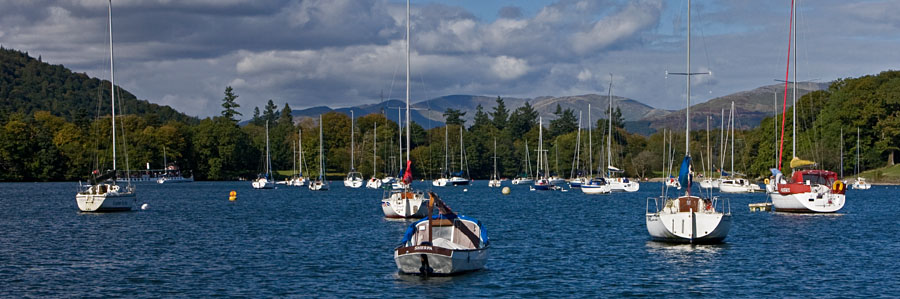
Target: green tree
[565,122]
[500,115]
[270,113]
[522,120]
[229,104]
[454,117]
[481,118]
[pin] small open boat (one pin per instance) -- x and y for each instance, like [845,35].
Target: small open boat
[442,244]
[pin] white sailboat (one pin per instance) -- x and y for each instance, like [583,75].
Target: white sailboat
[707,182]
[354,179]
[542,179]
[443,244]
[495,177]
[299,180]
[860,182]
[461,178]
[525,179]
[811,190]
[321,182]
[103,194]
[445,171]
[733,184]
[616,183]
[265,181]
[405,203]
[374,182]
[687,219]
[594,185]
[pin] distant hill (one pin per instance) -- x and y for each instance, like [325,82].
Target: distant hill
[750,108]
[28,84]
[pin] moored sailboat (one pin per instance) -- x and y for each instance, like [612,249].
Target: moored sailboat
[265,181]
[442,244]
[103,194]
[321,182]
[405,202]
[495,177]
[810,190]
[860,182]
[688,218]
[354,179]
[374,182]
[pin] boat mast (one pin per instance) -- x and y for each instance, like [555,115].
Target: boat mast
[446,151]
[540,150]
[268,160]
[495,159]
[609,127]
[460,150]
[794,108]
[590,145]
[732,139]
[857,153]
[407,81]
[400,138]
[374,150]
[352,144]
[112,85]
[300,150]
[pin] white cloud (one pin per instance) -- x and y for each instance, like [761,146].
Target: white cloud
[505,67]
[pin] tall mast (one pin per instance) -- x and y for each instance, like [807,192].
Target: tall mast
[857,152]
[321,157]
[446,150]
[300,149]
[732,138]
[112,76]
[495,159]
[400,137]
[687,110]
[609,127]
[708,149]
[268,160]
[407,80]
[722,143]
[374,150]
[794,108]
[540,151]
[460,149]
[590,144]
[352,144]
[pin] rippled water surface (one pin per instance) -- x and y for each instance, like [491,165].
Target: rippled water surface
[192,241]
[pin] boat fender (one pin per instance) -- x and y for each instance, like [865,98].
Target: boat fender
[708,205]
[767,181]
[838,186]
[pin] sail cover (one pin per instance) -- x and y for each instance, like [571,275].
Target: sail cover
[684,172]
[797,162]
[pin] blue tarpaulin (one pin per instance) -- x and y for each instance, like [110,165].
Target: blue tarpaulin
[684,172]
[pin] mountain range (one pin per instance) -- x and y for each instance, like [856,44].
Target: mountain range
[751,107]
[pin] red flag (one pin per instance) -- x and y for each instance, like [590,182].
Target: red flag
[407,177]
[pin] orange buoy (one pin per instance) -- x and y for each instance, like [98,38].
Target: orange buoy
[232,196]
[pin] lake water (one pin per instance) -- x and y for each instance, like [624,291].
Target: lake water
[193,242]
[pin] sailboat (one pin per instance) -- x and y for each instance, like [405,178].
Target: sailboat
[594,185]
[525,178]
[265,181]
[542,179]
[688,218]
[354,179]
[299,180]
[707,182]
[374,182]
[320,183]
[442,244]
[171,174]
[616,183]
[495,178]
[458,179]
[405,202]
[734,184]
[810,190]
[443,180]
[860,182]
[102,194]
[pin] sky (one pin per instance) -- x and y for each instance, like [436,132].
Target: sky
[342,53]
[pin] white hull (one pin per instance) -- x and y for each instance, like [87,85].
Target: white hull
[405,205]
[95,200]
[441,182]
[441,262]
[518,181]
[595,189]
[557,181]
[373,183]
[738,186]
[263,184]
[297,182]
[810,202]
[458,181]
[175,179]
[861,184]
[318,186]
[353,183]
[678,224]
[673,183]
[708,184]
[619,185]
[494,183]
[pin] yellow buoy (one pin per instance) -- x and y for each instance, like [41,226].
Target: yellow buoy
[232,196]
[505,191]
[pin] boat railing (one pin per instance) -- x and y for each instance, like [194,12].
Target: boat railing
[656,200]
[723,203]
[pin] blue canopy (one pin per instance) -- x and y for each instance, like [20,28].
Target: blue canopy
[684,173]
[412,227]
[457,173]
[724,173]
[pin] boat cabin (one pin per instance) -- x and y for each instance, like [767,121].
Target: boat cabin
[446,232]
